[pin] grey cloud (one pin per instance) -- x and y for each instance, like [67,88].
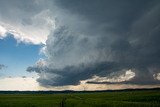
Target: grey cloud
[24,77]
[16,10]
[118,14]
[21,6]
[37,69]
[2,66]
[101,37]
[70,75]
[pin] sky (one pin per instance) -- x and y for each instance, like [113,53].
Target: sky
[79,44]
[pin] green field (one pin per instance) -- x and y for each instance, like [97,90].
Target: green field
[98,99]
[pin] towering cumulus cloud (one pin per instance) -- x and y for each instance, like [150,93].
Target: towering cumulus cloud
[102,41]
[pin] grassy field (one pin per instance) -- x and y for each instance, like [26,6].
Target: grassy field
[102,99]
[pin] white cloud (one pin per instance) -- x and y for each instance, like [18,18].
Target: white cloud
[28,22]
[18,83]
[115,79]
[2,32]
[156,76]
[36,32]
[43,51]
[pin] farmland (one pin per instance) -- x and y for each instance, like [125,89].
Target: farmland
[146,98]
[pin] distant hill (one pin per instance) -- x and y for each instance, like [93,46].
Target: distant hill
[71,91]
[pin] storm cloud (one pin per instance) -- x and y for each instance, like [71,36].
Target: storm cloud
[102,38]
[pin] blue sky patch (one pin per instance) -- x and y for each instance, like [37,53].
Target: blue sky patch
[17,56]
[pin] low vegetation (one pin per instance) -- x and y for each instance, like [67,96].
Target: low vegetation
[95,99]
